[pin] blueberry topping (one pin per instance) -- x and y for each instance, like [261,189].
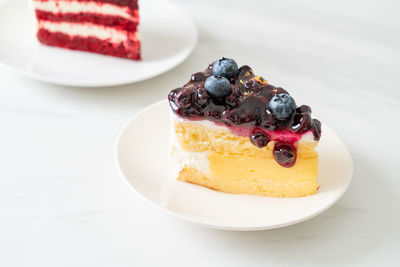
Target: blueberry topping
[249,112]
[183,98]
[250,85]
[302,123]
[217,87]
[241,101]
[259,138]
[245,73]
[316,129]
[232,100]
[202,96]
[215,112]
[198,77]
[284,154]
[282,106]
[304,109]
[269,122]
[225,67]
[171,95]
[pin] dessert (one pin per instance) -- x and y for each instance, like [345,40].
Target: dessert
[234,132]
[108,27]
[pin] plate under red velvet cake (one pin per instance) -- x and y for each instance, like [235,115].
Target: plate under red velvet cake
[161,22]
[108,27]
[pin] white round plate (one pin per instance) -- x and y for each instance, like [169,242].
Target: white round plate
[168,37]
[142,158]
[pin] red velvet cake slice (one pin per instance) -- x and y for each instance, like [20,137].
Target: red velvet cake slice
[108,27]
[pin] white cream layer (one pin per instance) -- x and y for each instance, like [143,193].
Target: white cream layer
[85,30]
[197,160]
[78,7]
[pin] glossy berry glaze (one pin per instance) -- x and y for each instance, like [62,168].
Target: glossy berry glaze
[245,112]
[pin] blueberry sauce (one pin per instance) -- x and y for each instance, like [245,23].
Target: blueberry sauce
[246,111]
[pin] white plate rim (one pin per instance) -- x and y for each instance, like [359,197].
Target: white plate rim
[221,226]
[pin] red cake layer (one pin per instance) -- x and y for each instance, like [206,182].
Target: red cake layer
[129,49]
[105,20]
[133,4]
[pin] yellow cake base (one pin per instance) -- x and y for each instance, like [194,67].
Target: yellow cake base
[235,165]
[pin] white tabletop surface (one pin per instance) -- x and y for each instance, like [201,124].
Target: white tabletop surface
[62,202]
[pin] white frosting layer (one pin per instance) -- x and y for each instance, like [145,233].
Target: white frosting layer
[85,30]
[78,7]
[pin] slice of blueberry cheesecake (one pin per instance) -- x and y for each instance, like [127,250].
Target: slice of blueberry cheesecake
[234,132]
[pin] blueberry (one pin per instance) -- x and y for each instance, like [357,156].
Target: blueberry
[217,87]
[225,67]
[284,154]
[317,129]
[202,96]
[302,123]
[259,138]
[183,98]
[282,106]
[304,109]
[198,77]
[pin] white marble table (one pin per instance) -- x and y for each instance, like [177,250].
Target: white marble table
[62,202]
